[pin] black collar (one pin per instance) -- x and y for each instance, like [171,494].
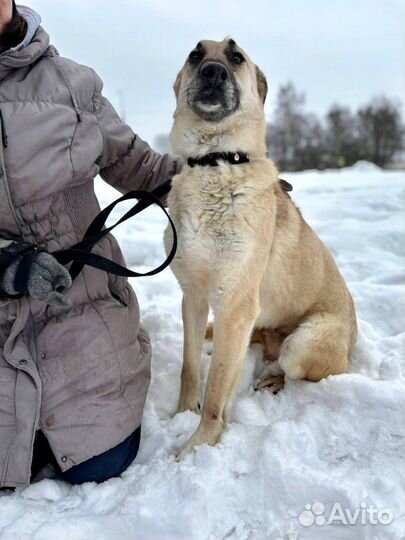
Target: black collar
[234,158]
[211,160]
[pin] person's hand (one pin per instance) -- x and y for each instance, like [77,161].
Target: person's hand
[45,280]
[6,14]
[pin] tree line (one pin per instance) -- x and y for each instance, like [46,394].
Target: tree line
[299,140]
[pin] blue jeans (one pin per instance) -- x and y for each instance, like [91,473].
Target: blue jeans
[99,468]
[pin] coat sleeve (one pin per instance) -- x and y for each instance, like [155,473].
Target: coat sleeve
[128,162]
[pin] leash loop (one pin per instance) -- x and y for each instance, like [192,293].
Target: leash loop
[80,253]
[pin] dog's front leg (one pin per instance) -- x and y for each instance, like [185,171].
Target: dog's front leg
[195,316]
[234,320]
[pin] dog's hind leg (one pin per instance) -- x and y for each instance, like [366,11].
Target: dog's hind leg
[272,340]
[320,346]
[195,315]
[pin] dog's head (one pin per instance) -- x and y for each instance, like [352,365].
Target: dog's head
[218,80]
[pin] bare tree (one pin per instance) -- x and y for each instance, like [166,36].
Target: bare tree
[381,131]
[312,152]
[295,139]
[342,139]
[286,133]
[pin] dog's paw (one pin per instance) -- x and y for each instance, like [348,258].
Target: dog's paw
[188,405]
[203,435]
[274,384]
[183,452]
[188,448]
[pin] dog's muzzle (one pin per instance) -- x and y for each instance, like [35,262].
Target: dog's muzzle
[213,93]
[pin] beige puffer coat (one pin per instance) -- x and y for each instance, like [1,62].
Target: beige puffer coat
[82,378]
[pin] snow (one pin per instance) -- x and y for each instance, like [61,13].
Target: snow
[339,441]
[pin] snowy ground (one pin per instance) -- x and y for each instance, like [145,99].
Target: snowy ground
[337,442]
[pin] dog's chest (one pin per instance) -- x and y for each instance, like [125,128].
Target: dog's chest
[207,211]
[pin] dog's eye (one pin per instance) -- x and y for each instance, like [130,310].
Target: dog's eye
[237,58]
[195,57]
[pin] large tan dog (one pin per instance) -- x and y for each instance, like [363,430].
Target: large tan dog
[244,248]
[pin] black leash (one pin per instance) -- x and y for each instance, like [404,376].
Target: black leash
[80,253]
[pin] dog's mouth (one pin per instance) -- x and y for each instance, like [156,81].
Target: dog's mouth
[213,93]
[211,96]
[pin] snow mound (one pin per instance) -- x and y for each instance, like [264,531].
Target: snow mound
[365,166]
[297,465]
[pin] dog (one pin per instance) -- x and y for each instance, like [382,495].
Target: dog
[244,249]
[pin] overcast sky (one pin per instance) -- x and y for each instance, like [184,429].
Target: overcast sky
[344,51]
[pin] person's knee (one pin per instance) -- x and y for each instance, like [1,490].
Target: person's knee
[108,465]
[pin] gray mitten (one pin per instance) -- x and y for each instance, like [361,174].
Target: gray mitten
[46,277]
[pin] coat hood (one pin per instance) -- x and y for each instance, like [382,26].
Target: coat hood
[33,20]
[15,59]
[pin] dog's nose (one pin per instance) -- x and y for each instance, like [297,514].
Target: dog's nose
[214,72]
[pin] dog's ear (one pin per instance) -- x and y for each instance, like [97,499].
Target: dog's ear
[176,86]
[261,84]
